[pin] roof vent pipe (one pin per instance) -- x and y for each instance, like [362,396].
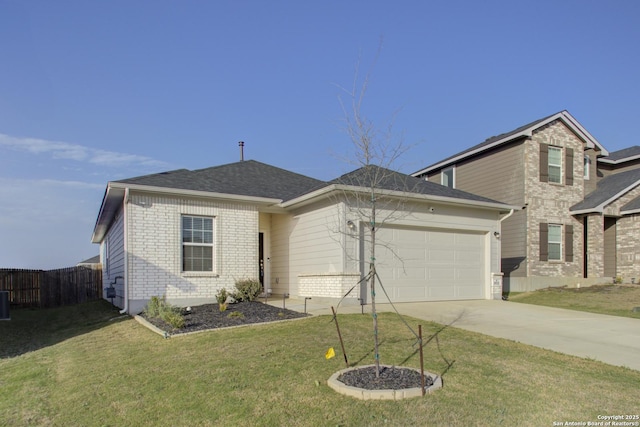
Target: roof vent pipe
[241,144]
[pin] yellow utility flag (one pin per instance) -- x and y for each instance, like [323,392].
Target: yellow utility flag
[330,353]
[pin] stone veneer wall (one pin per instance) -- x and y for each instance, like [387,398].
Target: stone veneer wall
[628,250]
[329,285]
[550,203]
[627,238]
[595,245]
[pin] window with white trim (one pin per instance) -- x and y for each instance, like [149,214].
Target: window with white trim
[555,165]
[555,242]
[587,166]
[197,243]
[447,177]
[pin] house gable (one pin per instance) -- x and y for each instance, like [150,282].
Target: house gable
[525,131]
[609,190]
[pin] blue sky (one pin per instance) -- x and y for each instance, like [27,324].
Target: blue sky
[97,91]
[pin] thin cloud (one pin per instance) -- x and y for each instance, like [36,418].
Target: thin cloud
[80,153]
[113,159]
[47,199]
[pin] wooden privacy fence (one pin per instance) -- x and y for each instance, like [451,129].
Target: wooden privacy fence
[51,288]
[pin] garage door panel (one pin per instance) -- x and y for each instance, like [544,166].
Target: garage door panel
[440,293]
[435,274]
[423,264]
[441,256]
[411,293]
[439,238]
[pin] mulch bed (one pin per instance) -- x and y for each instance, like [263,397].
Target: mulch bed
[208,316]
[391,378]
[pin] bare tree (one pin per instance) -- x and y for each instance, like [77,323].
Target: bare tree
[374,193]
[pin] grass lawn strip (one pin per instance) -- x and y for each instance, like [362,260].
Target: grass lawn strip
[98,371]
[614,300]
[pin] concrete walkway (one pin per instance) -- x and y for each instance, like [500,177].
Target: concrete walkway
[610,339]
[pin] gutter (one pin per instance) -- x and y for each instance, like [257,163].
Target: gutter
[326,192]
[125,240]
[196,193]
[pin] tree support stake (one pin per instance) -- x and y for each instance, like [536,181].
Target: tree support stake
[344,353]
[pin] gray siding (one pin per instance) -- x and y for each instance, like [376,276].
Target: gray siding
[113,261]
[499,176]
[281,228]
[317,241]
[514,245]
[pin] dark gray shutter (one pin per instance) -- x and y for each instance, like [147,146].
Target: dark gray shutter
[544,241]
[544,163]
[568,243]
[568,166]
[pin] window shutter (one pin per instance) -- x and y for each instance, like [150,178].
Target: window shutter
[544,163]
[568,166]
[544,241]
[568,243]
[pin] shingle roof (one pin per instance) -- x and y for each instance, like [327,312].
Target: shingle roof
[514,135]
[487,142]
[633,205]
[623,154]
[608,188]
[391,180]
[246,178]
[252,178]
[93,260]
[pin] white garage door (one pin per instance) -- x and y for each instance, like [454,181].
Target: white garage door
[419,264]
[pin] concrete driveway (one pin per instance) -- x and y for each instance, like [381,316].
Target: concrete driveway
[610,339]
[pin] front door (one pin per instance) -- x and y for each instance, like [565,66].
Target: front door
[261,258]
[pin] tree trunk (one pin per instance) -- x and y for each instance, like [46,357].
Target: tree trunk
[372,272]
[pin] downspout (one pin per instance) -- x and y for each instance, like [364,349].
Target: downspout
[502,219]
[505,217]
[125,241]
[500,274]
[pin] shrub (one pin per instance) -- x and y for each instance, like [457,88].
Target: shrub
[160,308]
[174,318]
[235,314]
[153,307]
[222,297]
[247,289]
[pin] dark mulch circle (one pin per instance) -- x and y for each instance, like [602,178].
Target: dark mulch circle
[391,378]
[209,316]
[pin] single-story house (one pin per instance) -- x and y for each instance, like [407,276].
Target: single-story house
[186,234]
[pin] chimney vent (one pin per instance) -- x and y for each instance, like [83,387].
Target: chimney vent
[241,144]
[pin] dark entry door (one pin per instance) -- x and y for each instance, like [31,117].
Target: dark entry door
[261,258]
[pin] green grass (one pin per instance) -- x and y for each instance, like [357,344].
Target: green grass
[614,300]
[88,369]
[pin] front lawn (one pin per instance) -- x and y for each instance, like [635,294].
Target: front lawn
[614,300]
[90,367]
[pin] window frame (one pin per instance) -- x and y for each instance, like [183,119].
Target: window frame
[559,165]
[443,174]
[587,167]
[203,242]
[556,243]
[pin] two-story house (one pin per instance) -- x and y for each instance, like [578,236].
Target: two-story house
[580,216]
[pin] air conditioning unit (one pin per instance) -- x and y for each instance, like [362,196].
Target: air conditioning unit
[4,305]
